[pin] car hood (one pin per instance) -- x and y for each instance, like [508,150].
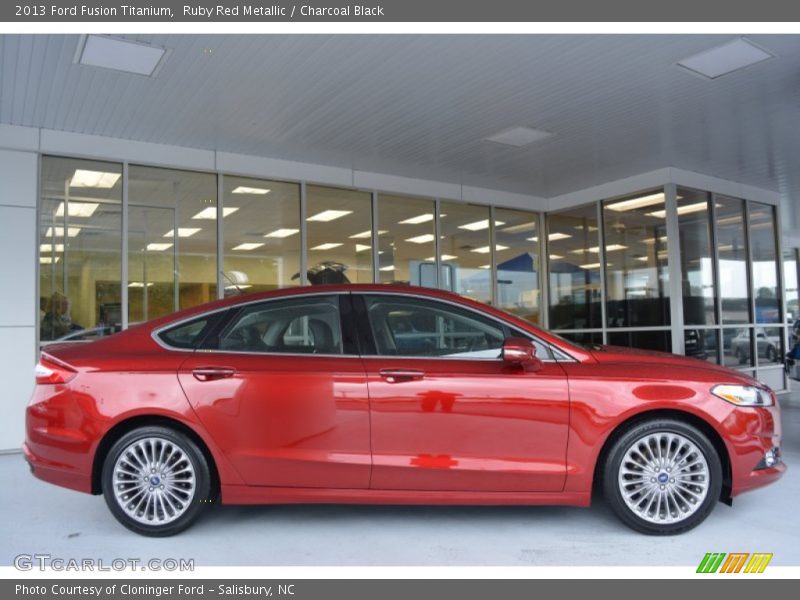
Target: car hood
[635,356]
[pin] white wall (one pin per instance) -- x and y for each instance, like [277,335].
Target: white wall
[18,185]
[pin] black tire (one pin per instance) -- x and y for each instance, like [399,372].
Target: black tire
[634,435]
[202,493]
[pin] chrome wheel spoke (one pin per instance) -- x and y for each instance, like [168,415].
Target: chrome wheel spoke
[663,477]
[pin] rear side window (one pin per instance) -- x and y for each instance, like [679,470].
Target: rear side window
[187,335]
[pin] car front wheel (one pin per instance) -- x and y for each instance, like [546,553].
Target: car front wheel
[156,481]
[662,477]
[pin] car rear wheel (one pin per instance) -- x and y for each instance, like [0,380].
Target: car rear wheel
[156,481]
[662,477]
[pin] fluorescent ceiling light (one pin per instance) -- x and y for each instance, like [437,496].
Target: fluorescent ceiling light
[329,215]
[139,284]
[59,232]
[158,247]
[556,257]
[479,225]
[596,249]
[529,226]
[518,136]
[634,203]
[651,241]
[183,232]
[78,209]
[553,237]
[486,249]
[211,212]
[366,234]
[48,260]
[243,189]
[238,286]
[682,210]
[593,266]
[281,233]
[422,239]
[724,59]
[121,55]
[327,246]
[51,248]
[485,267]
[387,268]
[83,178]
[642,258]
[362,247]
[249,246]
[444,257]
[418,219]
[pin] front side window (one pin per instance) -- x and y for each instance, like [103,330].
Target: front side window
[414,327]
[295,326]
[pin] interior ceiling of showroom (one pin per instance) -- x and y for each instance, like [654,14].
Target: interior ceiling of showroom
[421,106]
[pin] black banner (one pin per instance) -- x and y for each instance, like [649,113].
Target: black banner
[400,11]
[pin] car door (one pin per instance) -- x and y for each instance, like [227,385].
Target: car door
[281,389]
[446,412]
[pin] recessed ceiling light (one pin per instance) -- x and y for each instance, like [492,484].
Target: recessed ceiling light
[596,249]
[281,233]
[518,136]
[593,266]
[248,246]
[51,248]
[480,225]
[139,284]
[553,237]
[83,178]
[642,258]
[329,215]
[724,59]
[120,55]
[387,268]
[486,249]
[78,209]
[444,257]
[243,189]
[633,203]
[327,246]
[158,247]
[211,212]
[183,232]
[48,260]
[59,232]
[529,226]
[422,239]
[682,210]
[485,267]
[366,234]
[556,257]
[362,247]
[418,219]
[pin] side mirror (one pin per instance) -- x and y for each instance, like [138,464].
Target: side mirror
[521,352]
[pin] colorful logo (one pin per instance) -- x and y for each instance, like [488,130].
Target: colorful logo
[735,562]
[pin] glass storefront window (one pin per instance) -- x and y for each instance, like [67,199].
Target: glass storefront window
[697,261]
[763,242]
[466,252]
[637,279]
[734,290]
[406,240]
[769,346]
[172,241]
[702,344]
[790,279]
[647,340]
[336,220]
[518,286]
[261,235]
[80,225]
[574,269]
[737,347]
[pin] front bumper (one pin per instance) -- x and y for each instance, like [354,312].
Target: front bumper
[750,434]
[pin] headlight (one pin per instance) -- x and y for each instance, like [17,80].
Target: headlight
[743,395]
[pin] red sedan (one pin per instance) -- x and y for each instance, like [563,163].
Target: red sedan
[390,395]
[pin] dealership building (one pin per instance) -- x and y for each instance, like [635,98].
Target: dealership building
[637,190]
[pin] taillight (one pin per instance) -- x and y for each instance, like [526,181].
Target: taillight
[50,372]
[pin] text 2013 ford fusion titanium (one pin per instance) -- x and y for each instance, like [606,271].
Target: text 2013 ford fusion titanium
[389,394]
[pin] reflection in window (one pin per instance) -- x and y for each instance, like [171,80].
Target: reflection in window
[574,269]
[518,288]
[769,346]
[790,283]
[637,279]
[406,240]
[80,224]
[339,235]
[466,253]
[647,340]
[702,344]
[732,253]
[262,235]
[737,347]
[763,241]
[697,271]
[172,241]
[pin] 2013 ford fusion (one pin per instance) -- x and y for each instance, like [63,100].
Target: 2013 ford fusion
[390,394]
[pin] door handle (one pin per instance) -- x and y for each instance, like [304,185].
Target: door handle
[213,373]
[398,375]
